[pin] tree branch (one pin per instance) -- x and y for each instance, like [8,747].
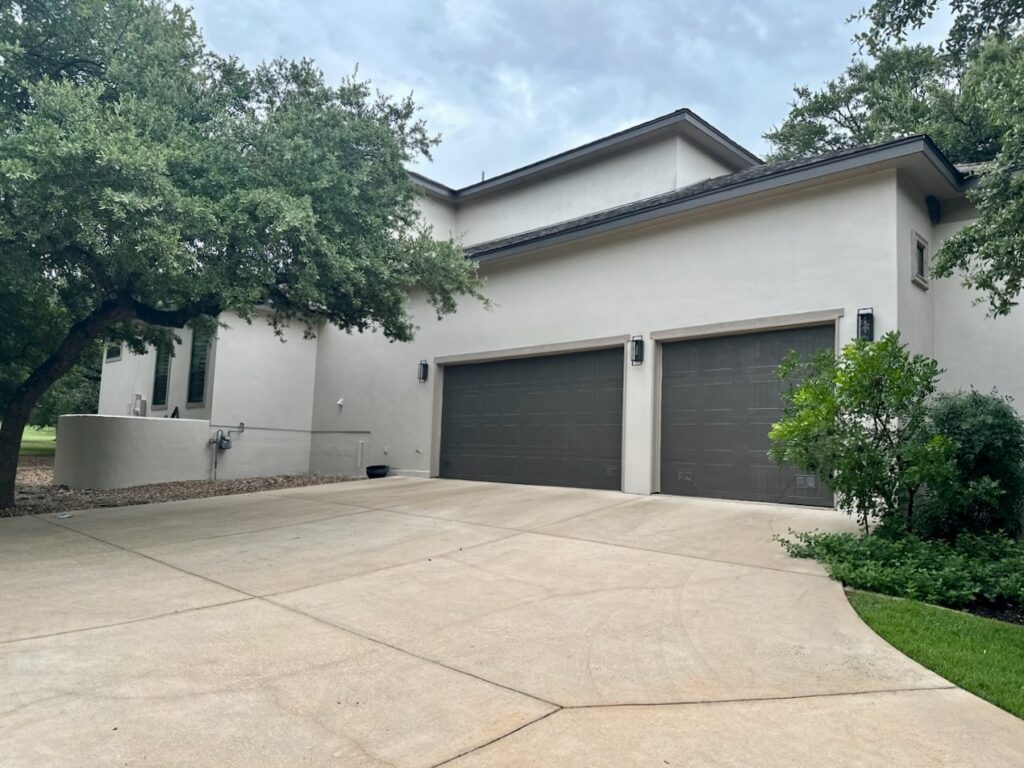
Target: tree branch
[174,318]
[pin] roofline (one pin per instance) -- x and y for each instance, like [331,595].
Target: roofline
[681,118]
[893,150]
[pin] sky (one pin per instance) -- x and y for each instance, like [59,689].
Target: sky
[510,82]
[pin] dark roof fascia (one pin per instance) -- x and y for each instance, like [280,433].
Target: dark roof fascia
[433,188]
[677,120]
[631,215]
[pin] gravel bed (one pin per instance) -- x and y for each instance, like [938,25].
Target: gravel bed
[35,493]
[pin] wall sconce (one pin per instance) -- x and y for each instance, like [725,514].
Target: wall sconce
[866,324]
[636,350]
[421,372]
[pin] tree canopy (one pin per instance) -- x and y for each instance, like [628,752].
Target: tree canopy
[967,95]
[146,183]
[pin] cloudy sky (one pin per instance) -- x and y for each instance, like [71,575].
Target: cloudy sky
[508,82]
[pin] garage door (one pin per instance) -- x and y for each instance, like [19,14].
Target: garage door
[554,420]
[720,397]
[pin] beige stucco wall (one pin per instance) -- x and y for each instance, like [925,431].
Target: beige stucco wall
[439,216]
[133,374]
[975,349]
[946,321]
[916,303]
[633,174]
[837,246]
[256,378]
[265,382]
[791,253]
[98,451]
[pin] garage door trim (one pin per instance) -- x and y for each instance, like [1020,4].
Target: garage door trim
[539,350]
[751,325]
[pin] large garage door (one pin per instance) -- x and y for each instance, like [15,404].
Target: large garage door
[720,397]
[553,420]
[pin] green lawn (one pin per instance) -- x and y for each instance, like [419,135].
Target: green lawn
[38,442]
[983,656]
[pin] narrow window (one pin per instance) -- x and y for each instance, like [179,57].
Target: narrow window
[197,367]
[162,369]
[920,265]
[113,353]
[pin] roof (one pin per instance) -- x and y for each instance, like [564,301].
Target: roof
[681,122]
[721,188]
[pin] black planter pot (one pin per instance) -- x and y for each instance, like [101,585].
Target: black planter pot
[377,470]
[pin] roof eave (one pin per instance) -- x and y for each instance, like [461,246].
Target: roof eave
[830,166]
[682,120]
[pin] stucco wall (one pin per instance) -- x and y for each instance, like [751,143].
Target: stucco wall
[98,451]
[266,383]
[439,216]
[975,349]
[632,175]
[916,301]
[133,374]
[253,377]
[792,253]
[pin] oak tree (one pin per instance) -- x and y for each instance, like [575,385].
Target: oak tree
[147,183]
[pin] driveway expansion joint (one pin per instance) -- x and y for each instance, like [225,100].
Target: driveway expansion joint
[540,532]
[496,739]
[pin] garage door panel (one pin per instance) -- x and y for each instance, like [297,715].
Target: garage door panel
[561,420]
[720,397]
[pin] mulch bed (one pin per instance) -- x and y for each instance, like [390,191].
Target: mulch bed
[1013,614]
[35,493]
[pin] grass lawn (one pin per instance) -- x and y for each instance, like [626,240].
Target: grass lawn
[38,442]
[983,656]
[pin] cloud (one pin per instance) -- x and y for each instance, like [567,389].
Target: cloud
[508,83]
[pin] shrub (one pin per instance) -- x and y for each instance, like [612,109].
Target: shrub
[986,489]
[860,421]
[974,569]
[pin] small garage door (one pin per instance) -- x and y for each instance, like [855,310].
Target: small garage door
[554,420]
[720,397]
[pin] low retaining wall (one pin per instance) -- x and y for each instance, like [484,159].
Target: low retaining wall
[95,451]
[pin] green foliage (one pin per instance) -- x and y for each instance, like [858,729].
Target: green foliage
[974,21]
[77,391]
[859,421]
[904,91]
[989,253]
[147,183]
[980,655]
[986,491]
[972,570]
[38,441]
[968,95]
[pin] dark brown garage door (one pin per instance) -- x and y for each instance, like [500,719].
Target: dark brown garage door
[553,420]
[720,397]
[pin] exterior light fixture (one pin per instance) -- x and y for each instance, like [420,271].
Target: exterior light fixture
[422,371]
[636,350]
[866,324]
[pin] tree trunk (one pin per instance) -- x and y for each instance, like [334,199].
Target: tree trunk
[13,425]
[24,398]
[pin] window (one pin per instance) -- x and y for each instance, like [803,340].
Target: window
[197,368]
[113,353]
[920,263]
[160,375]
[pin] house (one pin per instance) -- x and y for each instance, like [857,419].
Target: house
[644,287]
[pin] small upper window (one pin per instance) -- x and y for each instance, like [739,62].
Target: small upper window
[920,263]
[160,375]
[197,368]
[113,353]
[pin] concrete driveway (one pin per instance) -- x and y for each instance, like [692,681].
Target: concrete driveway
[410,622]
